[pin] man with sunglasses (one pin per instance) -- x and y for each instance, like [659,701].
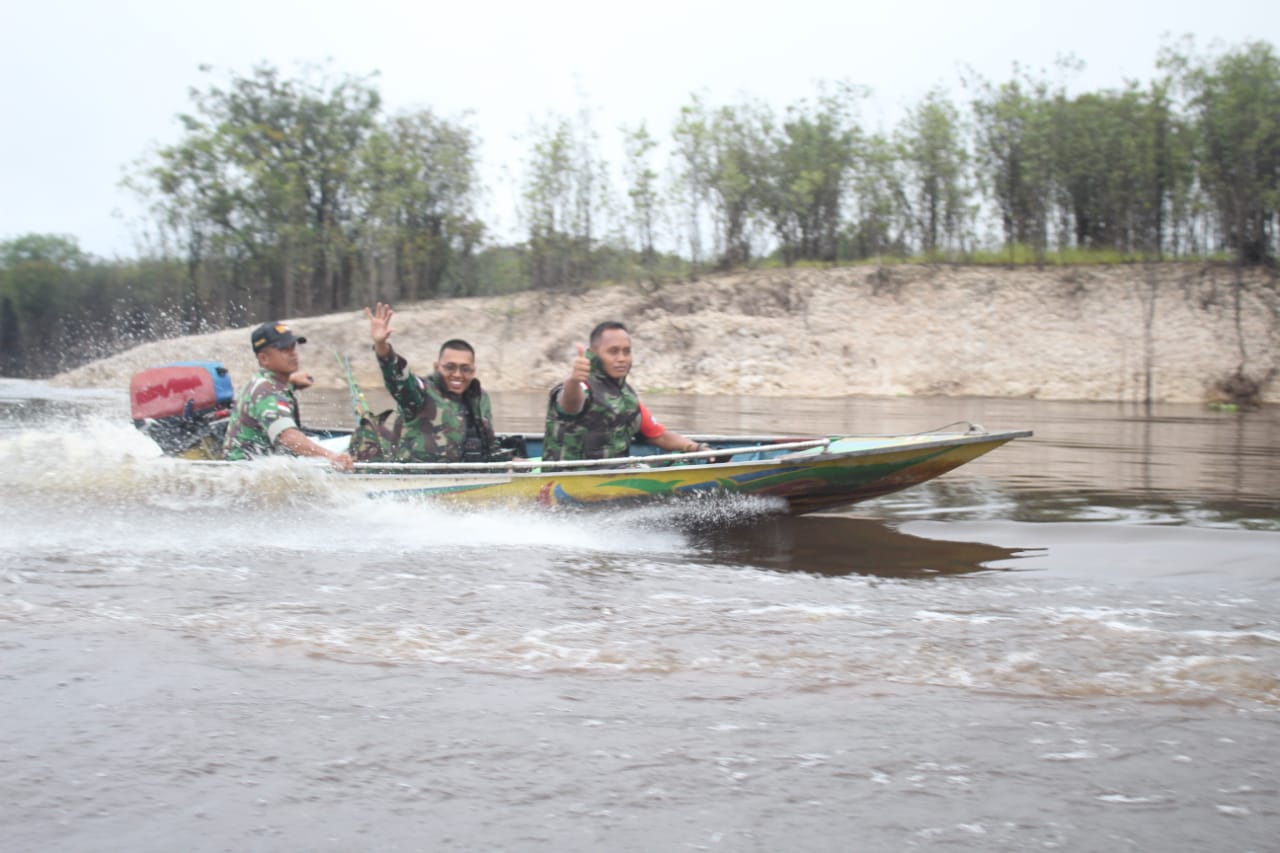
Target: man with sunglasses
[265,419]
[445,417]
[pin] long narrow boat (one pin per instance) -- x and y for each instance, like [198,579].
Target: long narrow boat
[181,406]
[805,474]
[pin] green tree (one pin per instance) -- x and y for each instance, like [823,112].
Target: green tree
[1172,188]
[935,164]
[564,184]
[1235,101]
[692,175]
[415,201]
[261,184]
[13,360]
[879,222]
[725,170]
[40,282]
[1103,158]
[642,192]
[1014,151]
[804,178]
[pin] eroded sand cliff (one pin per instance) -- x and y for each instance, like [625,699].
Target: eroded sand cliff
[1099,333]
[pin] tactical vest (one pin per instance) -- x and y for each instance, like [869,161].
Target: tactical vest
[472,439]
[438,426]
[602,430]
[451,428]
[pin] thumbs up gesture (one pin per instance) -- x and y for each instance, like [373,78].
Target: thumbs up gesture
[581,368]
[572,394]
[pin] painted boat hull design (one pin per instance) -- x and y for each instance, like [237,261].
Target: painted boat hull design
[807,475]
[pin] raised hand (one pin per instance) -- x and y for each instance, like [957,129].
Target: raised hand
[380,327]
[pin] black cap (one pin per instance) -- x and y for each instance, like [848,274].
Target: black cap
[276,335]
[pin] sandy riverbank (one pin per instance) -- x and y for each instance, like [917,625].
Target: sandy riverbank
[1097,333]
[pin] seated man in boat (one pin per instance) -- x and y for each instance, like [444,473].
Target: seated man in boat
[265,418]
[445,417]
[594,413]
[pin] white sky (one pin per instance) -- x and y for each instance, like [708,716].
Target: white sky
[89,87]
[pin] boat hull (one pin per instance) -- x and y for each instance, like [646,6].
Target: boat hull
[844,471]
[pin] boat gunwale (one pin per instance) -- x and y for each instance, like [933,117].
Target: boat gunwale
[529,469]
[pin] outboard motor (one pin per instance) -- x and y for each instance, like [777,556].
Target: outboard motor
[183,407]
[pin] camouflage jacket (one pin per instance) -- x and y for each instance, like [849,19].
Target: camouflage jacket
[265,407]
[610,417]
[434,423]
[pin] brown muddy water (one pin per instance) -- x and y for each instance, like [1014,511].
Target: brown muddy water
[1072,643]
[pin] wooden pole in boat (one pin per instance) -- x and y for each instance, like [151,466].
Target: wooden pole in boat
[358,402]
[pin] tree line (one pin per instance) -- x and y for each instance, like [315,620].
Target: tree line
[289,196]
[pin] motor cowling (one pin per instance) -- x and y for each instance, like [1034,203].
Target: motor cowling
[183,407]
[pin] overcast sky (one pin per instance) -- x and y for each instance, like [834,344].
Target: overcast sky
[87,88]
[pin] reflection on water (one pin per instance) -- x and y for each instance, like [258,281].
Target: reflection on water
[978,498]
[838,545]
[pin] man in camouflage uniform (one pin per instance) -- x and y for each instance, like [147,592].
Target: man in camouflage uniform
[594,413]
[265,419]
[446,417]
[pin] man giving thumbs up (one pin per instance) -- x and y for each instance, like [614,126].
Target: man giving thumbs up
[594,413]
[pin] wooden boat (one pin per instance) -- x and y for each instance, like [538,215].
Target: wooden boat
[804,474]
[181,406]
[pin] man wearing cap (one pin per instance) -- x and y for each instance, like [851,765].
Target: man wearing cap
[265,420]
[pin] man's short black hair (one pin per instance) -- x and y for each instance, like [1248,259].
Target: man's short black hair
[456,343]
[606,326]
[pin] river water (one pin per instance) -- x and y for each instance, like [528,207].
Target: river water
[1072,643]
